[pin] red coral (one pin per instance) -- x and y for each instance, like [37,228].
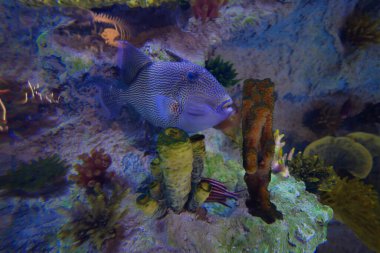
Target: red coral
[207,9]
[93,170]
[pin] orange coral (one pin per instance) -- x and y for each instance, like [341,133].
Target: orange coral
[207,9]
[258,146]
[93,170]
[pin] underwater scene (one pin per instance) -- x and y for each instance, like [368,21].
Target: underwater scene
[205,126]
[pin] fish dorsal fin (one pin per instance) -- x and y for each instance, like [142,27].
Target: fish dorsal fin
[130,60]
[175,56]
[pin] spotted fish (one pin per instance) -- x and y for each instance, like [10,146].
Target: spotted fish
[168,94]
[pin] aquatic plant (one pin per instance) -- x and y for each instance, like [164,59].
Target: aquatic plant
[89,4]
[344,154]
[223,71]
[280,160]
[311,170]
[356,205]
[258,146]
[360,30]
[97,221]
[93,170]
[38,177]
[207,9]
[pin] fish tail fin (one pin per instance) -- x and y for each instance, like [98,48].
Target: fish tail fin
[130,60]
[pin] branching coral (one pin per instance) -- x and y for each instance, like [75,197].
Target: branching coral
[223,71]
[361,30]
[311,170]
[93,170]
[207,9]
[258,146]
[357,205]
[121,31]
[23,107]
[97,221]
[43,176]
[280,160]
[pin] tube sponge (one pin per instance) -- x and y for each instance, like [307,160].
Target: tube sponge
[176,163]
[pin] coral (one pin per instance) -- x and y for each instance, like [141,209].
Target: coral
[280,160]
[93,170]
[311,170]
[89,4]
[357,205]
[223,71]
[344,154]
[24,109]
[370,141]
[97,221]
[38,177]
[258,146]
[207,9]
[121,31]
[361,30]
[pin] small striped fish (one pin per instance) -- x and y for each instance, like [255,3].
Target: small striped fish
[168,94]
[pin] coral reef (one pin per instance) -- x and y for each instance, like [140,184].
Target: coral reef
[361,30]
[344,154]
[24,109]
[258,146]
[367,120]
[93,170]
[357,205]
[280,160]
[88,4]
[223,71]
[207,9]
[97,221]
[311,170]
[38,177]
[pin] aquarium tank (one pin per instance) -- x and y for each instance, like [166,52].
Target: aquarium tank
[198,126]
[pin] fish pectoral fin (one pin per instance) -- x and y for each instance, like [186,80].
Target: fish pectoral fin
[166,107]
[130,60]
[112,100]
[175,56]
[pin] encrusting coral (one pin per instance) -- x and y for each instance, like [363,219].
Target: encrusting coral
[97,221]
[93,170]
[223,71]
[344,154]
[258,146]
[361,30]
[38,177]
[356,205]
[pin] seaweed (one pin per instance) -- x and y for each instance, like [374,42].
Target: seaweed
[38,177]
[356,205]
[311,170]
[97,221]
[361,30]
[223,71]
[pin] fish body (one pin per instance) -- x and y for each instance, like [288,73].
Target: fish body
[168,94]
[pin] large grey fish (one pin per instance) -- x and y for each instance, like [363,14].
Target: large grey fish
[168,94]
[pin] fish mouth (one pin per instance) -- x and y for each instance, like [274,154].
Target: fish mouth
[227,106]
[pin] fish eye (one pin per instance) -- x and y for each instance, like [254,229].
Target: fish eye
[192,76]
